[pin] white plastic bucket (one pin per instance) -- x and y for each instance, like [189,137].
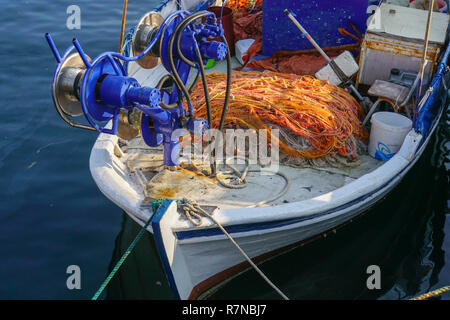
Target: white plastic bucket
[387,134]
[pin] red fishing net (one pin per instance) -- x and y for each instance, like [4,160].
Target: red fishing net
[316,119]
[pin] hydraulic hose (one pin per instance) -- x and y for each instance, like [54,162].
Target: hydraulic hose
[205,84]
[228,89]
[180,95]
[177,36]
[172,63]
[225,104]
[195,82]
[177,33]
[207,100]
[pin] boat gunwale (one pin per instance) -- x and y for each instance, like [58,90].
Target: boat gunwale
[358,206]
[201,289]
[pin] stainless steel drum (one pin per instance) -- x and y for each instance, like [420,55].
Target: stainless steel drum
[145,31]
[66,87]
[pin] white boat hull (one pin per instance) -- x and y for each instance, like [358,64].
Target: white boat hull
[200,261]
[197,259]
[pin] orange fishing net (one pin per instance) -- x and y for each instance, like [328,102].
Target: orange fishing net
[236,5]
[315,118]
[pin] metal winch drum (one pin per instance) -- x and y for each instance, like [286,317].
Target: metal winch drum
[66,86]
[146,29]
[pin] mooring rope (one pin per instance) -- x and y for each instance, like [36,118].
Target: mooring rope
[432,293]
[242,180]
[192,208]
[122,260]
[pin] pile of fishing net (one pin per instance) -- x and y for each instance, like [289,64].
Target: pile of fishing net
[243,7]
[319,122]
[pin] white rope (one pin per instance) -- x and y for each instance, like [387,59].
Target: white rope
[192,208]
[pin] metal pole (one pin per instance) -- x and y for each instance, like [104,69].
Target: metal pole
[333,65]
[122,30]
[425,48]
[307,35]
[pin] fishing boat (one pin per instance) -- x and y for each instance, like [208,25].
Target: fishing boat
[211,225]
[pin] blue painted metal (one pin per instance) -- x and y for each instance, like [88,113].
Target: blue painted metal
[94,110]
[81,52]
[190,38]
[124,92]
[165,37]
[60,59]
[321,18]
[105,87]
[213,50]
[429,112]
[197,126]
[52,45]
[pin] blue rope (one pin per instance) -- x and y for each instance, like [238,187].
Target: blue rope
[126,48]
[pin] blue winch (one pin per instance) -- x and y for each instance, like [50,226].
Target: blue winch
[101,90]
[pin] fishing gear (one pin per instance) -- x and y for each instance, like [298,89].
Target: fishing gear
[114,103]
[316,119]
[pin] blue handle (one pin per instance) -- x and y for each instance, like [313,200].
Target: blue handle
[53,48]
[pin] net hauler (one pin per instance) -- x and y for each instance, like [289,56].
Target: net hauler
[114,103]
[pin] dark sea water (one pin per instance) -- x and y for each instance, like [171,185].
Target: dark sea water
[52,214]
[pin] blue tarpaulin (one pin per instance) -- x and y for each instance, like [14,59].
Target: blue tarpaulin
[321,18]
[438,99]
